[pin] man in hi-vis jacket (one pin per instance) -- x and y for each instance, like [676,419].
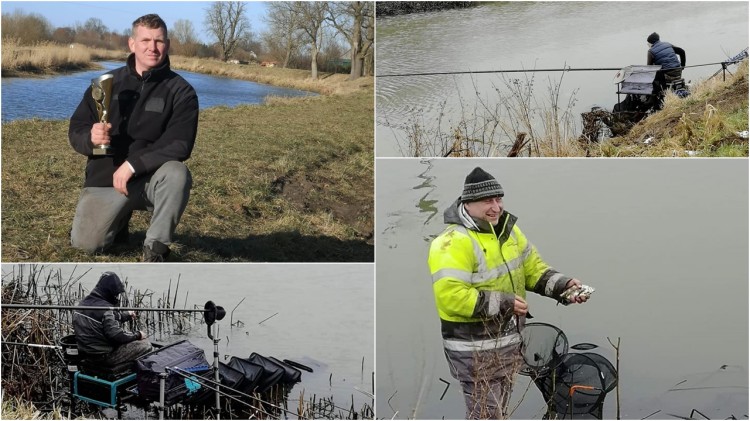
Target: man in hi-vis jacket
[481,266]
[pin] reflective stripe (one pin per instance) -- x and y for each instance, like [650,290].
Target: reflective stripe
[483,274]
[527,250]
[497,272]
[493,307]
[478,252]
[452,273]
[550,286]
[482,345]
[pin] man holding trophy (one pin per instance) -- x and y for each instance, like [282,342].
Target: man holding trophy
[136,124]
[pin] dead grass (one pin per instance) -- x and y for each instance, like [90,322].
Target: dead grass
[705,123]
[18,409]
[327,84]
[287,181]
[48,58]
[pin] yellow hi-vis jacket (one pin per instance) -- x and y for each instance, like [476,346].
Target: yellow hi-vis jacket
[477,273]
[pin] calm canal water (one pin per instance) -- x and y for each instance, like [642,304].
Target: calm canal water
[664,242]
[529,35]
[318,314]
[57,97]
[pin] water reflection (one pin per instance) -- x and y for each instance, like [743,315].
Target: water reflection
[57,97]
[426,205]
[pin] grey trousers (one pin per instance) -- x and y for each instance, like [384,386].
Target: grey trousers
[102,211]
[486,379]
[127,352]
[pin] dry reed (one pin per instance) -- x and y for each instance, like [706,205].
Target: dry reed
[42,57]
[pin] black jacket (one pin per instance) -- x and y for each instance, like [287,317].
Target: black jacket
[154,120]
[99,331]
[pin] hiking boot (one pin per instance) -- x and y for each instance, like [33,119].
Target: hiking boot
[158,252]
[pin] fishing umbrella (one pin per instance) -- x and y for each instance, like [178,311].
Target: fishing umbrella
[719,394]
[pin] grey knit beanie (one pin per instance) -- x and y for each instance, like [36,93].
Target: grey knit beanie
[480,184]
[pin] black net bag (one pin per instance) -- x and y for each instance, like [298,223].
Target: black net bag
[230,377]
[575,388]
[272,372]
[543,346]
[251,372]
[607,371]
[291,374]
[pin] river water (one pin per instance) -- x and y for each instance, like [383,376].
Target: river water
[541,35]
[319,314]
[664,242]
[57,97]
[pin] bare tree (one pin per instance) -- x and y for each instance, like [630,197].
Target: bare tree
[370,41]
[183,37]
[183,32]
[352,19]
[284,33]
[227,22]
[311,18]
[26,28]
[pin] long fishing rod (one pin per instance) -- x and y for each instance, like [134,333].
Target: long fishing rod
[563,69]
[32,345]
[113,308]
[211,312]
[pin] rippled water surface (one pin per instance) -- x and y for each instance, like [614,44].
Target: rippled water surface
[529,35]
[664,242]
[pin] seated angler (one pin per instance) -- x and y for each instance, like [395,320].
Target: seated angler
[664,54]
[98,332]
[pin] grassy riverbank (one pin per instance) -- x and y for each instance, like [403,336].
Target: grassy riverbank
[705,124]
[708,123]
[291,180]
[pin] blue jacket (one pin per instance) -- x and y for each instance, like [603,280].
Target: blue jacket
[664,54]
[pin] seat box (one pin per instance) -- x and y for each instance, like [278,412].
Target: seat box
[100,391]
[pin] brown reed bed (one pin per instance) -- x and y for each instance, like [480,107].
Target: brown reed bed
[326,84]
[50,58]
[32,364]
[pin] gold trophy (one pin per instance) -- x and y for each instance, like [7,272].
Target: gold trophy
[101,90]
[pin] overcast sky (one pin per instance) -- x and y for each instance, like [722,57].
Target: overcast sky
[119,15]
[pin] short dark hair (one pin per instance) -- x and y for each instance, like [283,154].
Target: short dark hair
[151,21]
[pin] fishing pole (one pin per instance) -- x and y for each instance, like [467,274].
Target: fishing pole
[32,345]
[563,69]
[211,312]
